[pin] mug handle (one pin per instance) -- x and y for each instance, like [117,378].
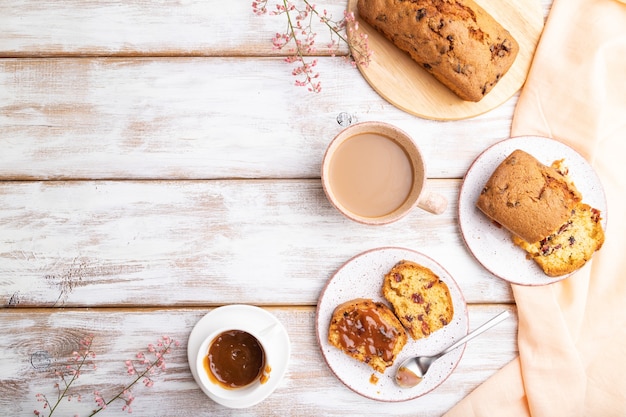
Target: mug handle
[432,202]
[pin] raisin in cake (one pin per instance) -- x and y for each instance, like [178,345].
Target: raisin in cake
[457,41]
[421,301]
[367,331]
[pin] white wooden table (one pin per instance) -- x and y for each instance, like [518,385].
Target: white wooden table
[156,162]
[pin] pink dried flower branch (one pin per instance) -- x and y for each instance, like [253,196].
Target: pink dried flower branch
[300,32]
[143,367]
[68,374]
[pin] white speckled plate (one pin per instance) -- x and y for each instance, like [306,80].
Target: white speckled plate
[362,277]
[236,316]
[492,245]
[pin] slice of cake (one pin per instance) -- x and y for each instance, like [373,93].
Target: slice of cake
[571,246]
[367,331]
[421,301]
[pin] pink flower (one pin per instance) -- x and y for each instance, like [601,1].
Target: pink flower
[259,7]
[99,400]
[128,398]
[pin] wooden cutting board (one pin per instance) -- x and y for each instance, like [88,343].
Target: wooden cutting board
[406,85]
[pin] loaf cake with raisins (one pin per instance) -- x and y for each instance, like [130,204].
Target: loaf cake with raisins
[571,246]
[420,300]
[457,41]
[543,210]
[367,331]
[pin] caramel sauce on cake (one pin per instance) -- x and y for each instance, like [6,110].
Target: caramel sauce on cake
[367,331]
[367,328]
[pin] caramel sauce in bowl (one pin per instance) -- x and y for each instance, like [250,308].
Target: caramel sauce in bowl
[232,363]
[235,359]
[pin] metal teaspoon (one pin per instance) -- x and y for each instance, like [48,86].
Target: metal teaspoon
[412,370]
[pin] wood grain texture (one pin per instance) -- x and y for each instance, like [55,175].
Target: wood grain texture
[37,341]
[164,28]
[201,118]
[96,243]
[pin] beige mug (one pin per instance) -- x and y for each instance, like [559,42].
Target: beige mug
[374,173]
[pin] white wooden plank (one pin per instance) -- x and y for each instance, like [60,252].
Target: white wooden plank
[189,27]
[201,118]
[149,243]
[309,387]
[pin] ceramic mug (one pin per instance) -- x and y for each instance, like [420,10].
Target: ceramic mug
[374,173]
[218,388]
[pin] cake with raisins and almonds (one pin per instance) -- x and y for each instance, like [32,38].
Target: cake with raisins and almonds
[367,331]
[420,300]
[456,41]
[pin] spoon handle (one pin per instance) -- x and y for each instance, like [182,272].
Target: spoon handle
[488,325]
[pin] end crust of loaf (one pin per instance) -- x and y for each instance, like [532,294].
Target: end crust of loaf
[419,298]
[367,331]
[528,198]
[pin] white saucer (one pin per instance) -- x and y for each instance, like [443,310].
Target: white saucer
[232,315]
[362,277]
[492,245]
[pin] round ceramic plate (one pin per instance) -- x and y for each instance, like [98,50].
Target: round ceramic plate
[236,315]
[362,277]
[490,244]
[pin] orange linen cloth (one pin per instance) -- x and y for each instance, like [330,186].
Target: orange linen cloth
[572,334]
